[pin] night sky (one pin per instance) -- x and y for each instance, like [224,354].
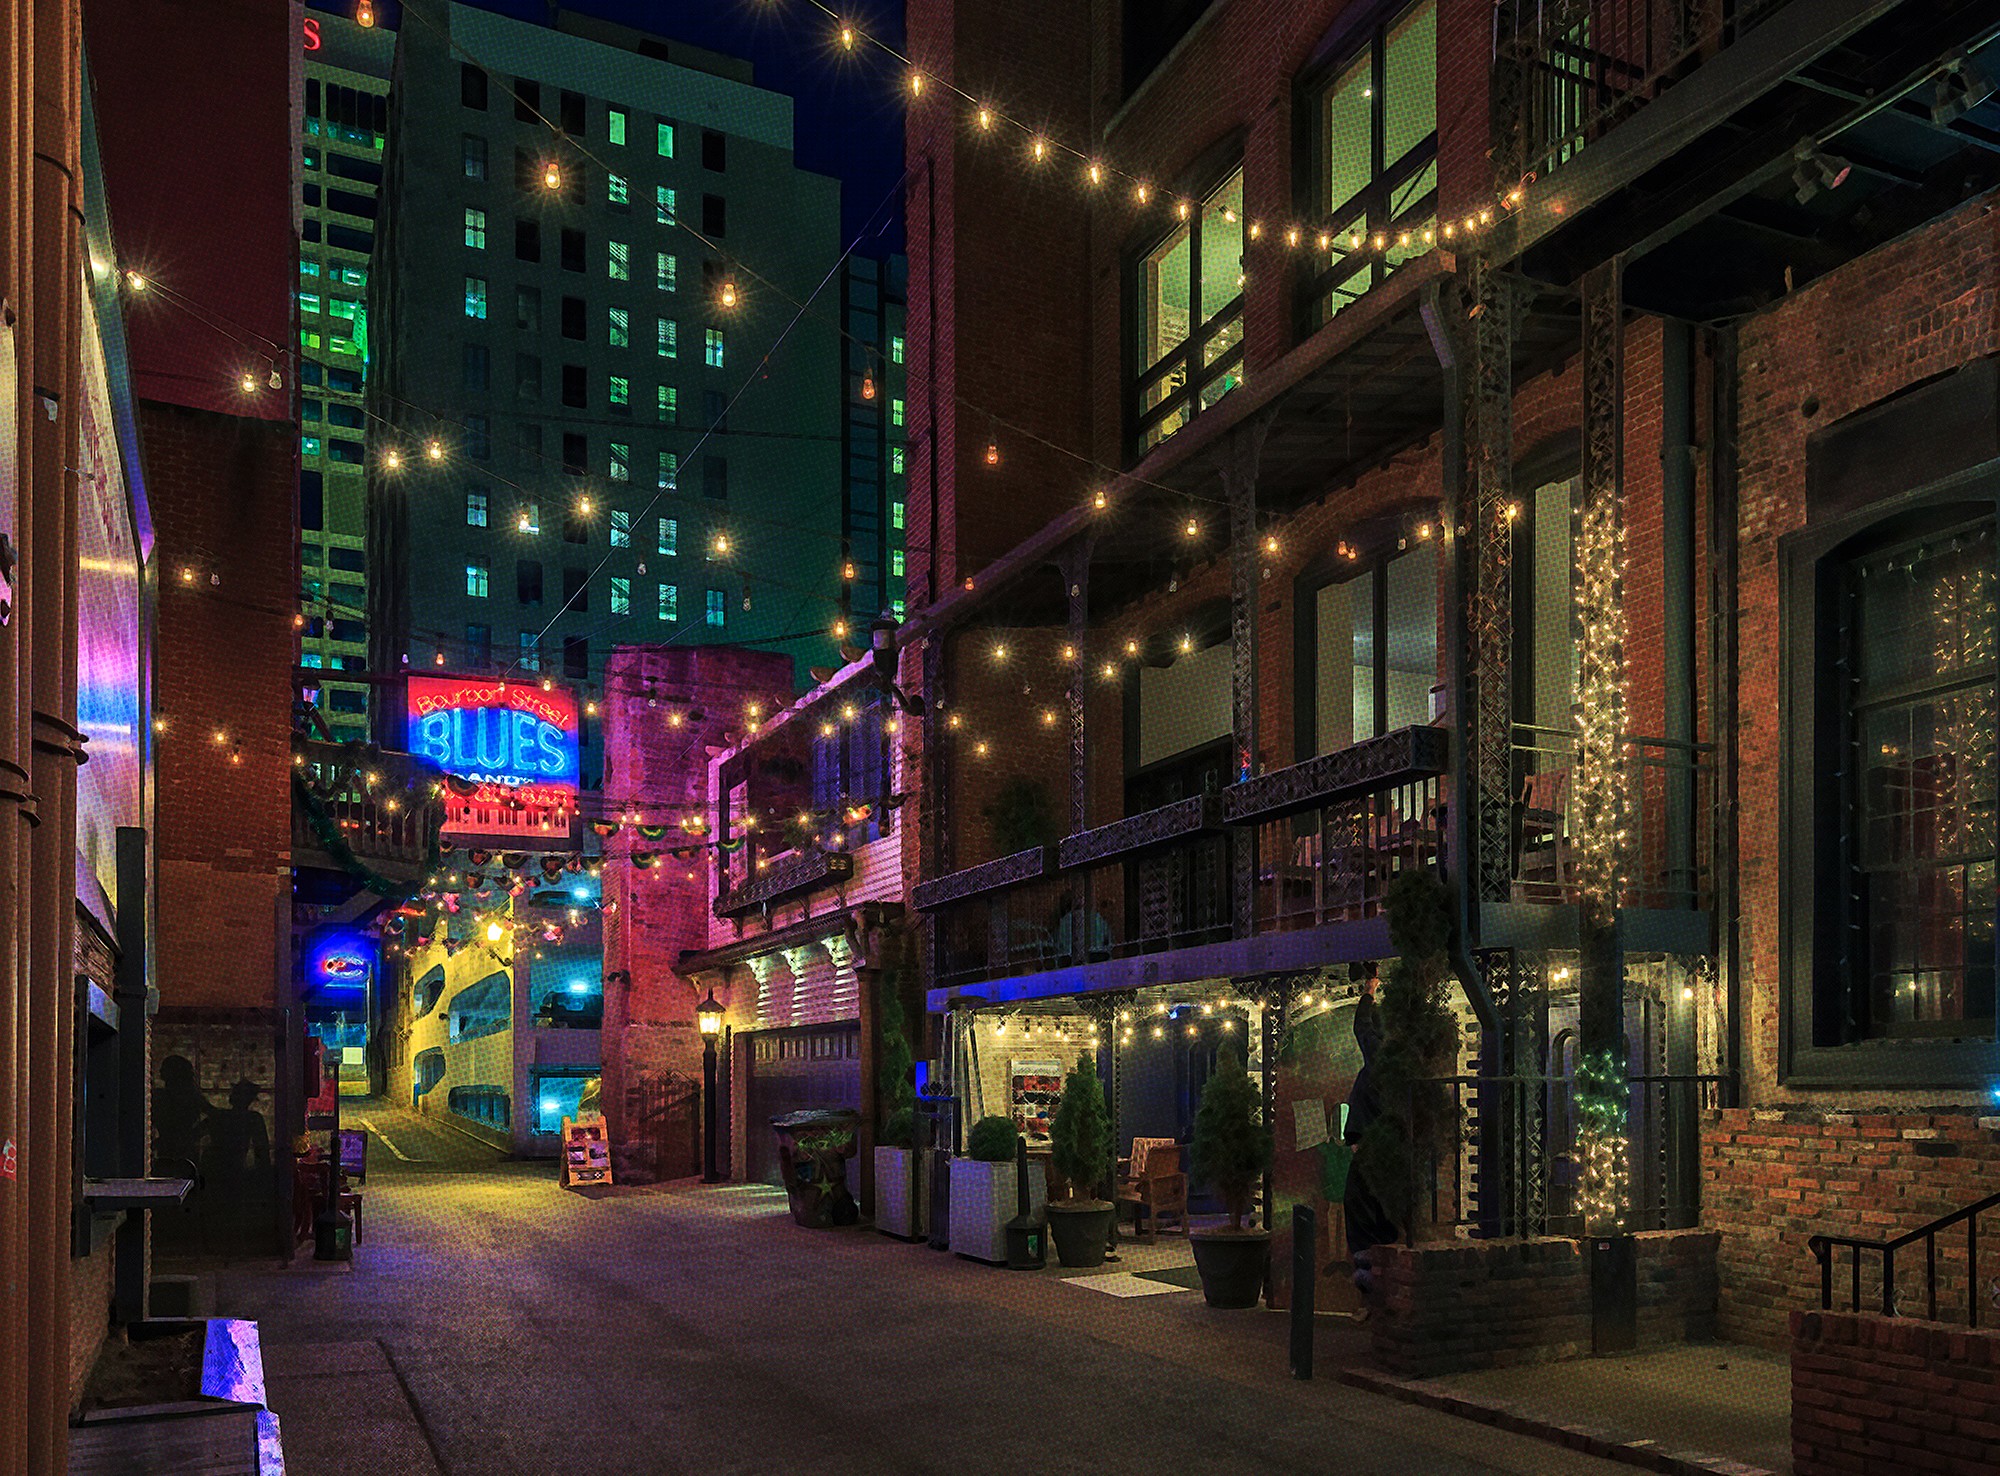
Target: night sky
[849,111]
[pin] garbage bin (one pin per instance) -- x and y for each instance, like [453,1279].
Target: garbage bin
[813,1148]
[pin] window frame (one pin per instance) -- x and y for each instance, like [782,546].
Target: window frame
[1810,560]
[1370,208]
[1223,162]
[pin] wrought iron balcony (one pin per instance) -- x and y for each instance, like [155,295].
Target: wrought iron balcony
[379,807]
[784,876]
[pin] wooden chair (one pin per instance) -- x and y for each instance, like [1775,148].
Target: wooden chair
[1544,836]
[1154,1185]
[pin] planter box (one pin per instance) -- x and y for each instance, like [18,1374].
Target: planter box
[895,1213]
[983,1201]
[221,1426]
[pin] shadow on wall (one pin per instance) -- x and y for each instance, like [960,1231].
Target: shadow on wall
[226,1149]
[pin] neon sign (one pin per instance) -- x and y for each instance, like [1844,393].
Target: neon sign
[514,746]
[312,33]
[341,960]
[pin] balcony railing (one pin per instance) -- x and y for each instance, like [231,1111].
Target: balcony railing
[1569,71]
[381,806]
[1334,863]
[1669,793]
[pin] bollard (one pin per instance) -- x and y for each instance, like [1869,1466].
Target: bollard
[1305,1276]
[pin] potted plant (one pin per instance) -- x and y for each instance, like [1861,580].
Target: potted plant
[1232,1150]
[896,1211]
[1080,1144]
[983,1191]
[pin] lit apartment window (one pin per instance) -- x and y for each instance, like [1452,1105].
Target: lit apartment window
[895,458]
[668,338]
[619,392]
[1374,148]
[621,528]
[669,405]
[614,125]
[530,658]
[474,157]
[665,208]
[896,412]
[896,515]
[666,270]
[670,536]
[530,519]
[670,470]
[715,610]
[617,191]
[621,595]
[670,601]
[475,297]
[665,140]
[896,349]
[1189,296]
[309,445]
[619,262]
[475,228]
[896,608]
[476,580]
[475,507]
[714,350]
[618,326]
[896,562]
[621,461]
[308,302]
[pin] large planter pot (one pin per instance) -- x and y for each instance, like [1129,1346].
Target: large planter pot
[813,1148]
[1080,1230]
[1232,1265]
[896,1212]
[982,1202]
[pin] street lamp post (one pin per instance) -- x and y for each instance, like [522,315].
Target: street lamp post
[708,1015]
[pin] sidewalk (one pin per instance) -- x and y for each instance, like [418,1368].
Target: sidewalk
[1711,1409]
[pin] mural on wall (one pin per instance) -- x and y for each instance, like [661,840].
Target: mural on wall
[111,690]
[510,750]
[1316,1068]
[211,1123]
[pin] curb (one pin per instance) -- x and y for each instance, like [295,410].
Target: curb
[1647,1455]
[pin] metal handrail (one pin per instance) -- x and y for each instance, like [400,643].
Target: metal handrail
[1823,1246]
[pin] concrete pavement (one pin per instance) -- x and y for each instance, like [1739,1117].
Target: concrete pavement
[492,1322]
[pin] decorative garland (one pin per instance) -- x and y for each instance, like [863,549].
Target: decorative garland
[1602,1143]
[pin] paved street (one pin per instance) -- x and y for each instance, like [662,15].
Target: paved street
[492,1322]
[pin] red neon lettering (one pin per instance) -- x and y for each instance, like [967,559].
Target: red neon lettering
[312,33]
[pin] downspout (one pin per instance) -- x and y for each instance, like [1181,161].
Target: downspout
[1722,695]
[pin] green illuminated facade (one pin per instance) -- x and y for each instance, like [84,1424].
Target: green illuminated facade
[344,129]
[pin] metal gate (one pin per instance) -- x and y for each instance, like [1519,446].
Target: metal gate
[811,1066]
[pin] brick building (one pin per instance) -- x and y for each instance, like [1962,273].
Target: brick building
[216,237]
[1477,440]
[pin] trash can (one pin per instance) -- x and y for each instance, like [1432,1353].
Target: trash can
[1027,1237]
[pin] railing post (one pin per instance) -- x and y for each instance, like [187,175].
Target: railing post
[1825,1254]
[1888,1281]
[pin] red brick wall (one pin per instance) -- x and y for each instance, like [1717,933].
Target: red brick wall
[89,1314]
[1487,1304]
[1913,309]
[223,495]
[653,915]
[1874,1394]
[1772,1178]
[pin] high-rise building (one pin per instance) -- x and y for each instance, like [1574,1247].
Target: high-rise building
[873,438]
[614,421]
[345,123]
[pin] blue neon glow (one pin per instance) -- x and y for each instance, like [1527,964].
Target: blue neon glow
[579,986]
[497,746]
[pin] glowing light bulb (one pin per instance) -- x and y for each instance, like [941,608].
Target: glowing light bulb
[867,386]
[590,709]
[1099,500]
[953,721]
[729,294]
[1068,652]
[438,660]
[847,37]
[1048,718]
[136,281]
[986,118]
[1271,543]
[1292,236]
[721,544]
[992,453]
[980,748]
[1256,229]
[364,13]
[494,932]
[1187,644]
[392,459]
[1143,193]
[583,507]
[434,450]
[1182,208]
[1108,671]
[1040,149]
[916,84]
[1096,172]
[1000,651]
[524,523]
[1193,528]
[552,176]
[248,384]
[1131,648]
[674,719]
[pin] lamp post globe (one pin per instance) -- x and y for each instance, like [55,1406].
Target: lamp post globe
[708,1017]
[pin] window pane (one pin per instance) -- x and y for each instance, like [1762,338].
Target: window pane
[665,207]
[669,602]
[621,462]
[714,350]
[475,507]
[1165,288]
[665,270]
[475,228]
[619,262]
[1409,96]
[667,338]
[1222,248]
[1410,642]
[614,121]
[621,528]
[670,536]
[619,327]
[621,595]
[1347,121]
[616,190]
[475,297]
[531,651]
[669,405]
[715,611]
[475,580]
[665,140]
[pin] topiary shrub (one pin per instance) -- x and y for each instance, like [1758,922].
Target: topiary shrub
[1232,1145]
[1419,1042]
[1080,1132]
[991,1140]
[895,1078]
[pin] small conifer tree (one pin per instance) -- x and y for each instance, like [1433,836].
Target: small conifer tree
[1232,1145]
[1080,1133]
[895,1080]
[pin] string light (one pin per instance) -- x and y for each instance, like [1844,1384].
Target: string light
[552,176]
[364,14]
[868,386]
[721,543]
[980,748]
[1040,149]
[136,281]
[1109,671]
[1193,529]
[1131,648]
[729,293]
[847,37]
[992,453]
[392,459]
[1099,500]
[1096,172]
[840,630]
[1000,651]
[1068,652]
[916,84]
[434,450]
[583,507]
[986,118]
[248,383]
